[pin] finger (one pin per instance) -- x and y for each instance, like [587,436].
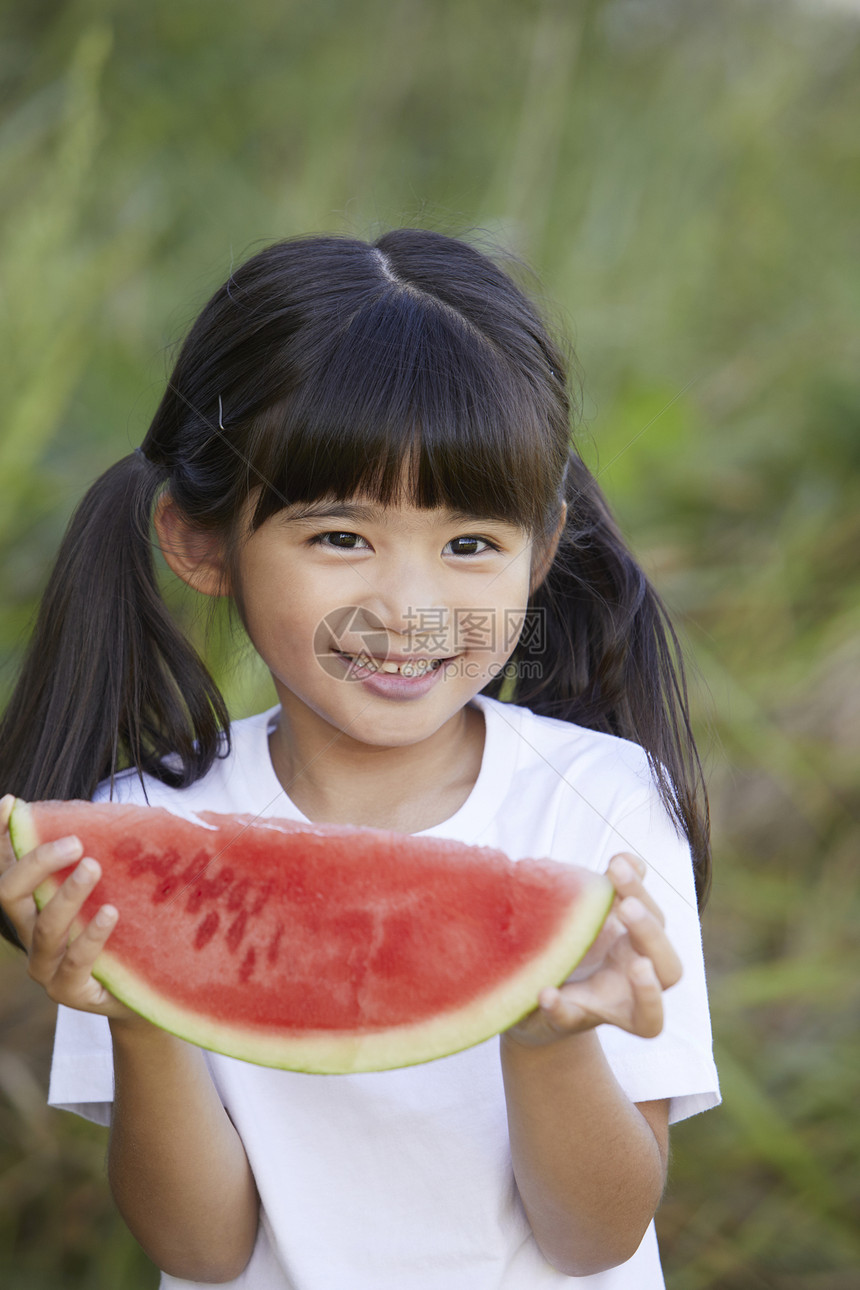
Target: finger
[626,872]
[73,981]
[20,880]
[636,863]
[562,1014]
[647,1015]
[648,938]
[52,928]
[23,877]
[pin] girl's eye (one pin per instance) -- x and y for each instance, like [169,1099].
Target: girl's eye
[342,541]
[467,545]
[470,546]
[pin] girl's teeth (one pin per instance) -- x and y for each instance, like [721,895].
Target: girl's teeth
[408,667]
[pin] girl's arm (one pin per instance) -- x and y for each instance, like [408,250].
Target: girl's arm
[177,1167]
[590,1165]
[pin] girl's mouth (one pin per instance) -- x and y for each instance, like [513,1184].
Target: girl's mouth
[406,667]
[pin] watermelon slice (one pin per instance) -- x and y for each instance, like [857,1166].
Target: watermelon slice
[320,947]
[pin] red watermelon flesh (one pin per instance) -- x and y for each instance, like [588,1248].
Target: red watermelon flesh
[320,947]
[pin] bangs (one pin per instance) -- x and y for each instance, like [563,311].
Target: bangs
[407,401]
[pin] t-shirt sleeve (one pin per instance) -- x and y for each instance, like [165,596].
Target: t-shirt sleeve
[82,1066]
[678,1064]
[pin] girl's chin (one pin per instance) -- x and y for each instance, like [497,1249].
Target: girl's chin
[382,709]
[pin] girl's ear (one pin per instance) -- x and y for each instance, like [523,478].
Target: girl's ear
[194,555]
[545,553]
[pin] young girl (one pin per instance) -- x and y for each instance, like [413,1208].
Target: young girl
[368,448]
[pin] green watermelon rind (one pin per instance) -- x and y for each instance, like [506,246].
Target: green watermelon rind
[353,1052]
[24,837]
[350,1052]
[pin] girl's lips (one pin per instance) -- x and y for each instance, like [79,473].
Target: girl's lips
[394,678]
[409,665]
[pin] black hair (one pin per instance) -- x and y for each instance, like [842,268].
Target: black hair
[321,368]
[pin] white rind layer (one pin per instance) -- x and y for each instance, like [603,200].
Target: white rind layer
[349,1052]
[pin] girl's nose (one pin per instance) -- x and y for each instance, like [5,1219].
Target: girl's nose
[408,599]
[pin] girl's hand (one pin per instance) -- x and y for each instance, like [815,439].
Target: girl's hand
[64,968]
[622,978]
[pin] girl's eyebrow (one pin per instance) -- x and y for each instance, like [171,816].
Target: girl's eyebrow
[332,510]
[363,512]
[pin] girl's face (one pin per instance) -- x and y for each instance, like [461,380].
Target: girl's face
[382,622]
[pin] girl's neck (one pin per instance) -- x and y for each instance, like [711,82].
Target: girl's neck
[333,779]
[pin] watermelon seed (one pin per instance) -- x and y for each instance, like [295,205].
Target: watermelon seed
[206,930]
[236,931]
[195,900]
[274,945]
[247,965]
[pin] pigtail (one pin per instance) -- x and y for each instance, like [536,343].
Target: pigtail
[604,654]
[108,680]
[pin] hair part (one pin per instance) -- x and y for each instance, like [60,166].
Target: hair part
[333,363]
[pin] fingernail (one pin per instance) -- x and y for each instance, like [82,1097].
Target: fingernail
[85,871]
[67,848]
[622,869]
[106,915]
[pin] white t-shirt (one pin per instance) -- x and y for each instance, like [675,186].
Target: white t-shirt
[402,1180]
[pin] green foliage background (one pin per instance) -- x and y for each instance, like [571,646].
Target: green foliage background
[684,179]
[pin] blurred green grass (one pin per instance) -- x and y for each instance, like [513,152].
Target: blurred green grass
[684,178]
